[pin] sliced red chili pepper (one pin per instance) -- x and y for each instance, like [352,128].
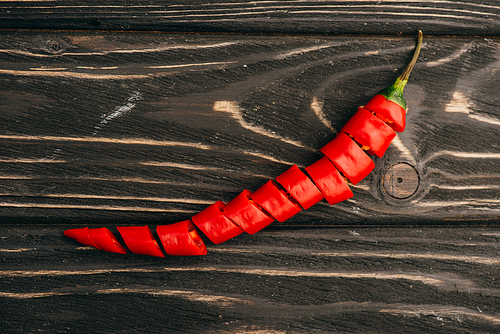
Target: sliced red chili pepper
[370,132]
[275,201]
[104,240]
[140,240]
[217,227]
[181,239]
[300,187]
[81,235]
[389,112]
[329,181]
[349,158]
[246,213]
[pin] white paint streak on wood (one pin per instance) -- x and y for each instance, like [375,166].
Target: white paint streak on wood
[32,161]
[119,111]
[98,68]
[48,68]
[232,108]
[295,273]
[65,73]
[458,104]
[440,312]
[317,108]
[123,51]
[249,271]
[90,207]
[124,141]
[128,198]
[486,203]
[30,295]
[192,65]
[305,50]
[405,152]
[426,256]
[16,250]
[55,273]
[485,119]
[471,187]
[455,55]
[188,295]
[15,177]
[465,155]
[196,167]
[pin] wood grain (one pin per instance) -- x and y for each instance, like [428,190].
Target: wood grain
[328,280]
[141,128]
[258,17]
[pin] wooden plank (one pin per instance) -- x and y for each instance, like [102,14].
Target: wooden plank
[128,127]
[257,17]
[416,280]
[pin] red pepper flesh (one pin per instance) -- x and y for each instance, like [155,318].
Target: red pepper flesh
[104,240]
[140,240]
[275,201]
[349,158]
[217,227]
[390,112]
[81,235]
[329,181]
[181,239]
[370,132]
[246,213]
[300,187]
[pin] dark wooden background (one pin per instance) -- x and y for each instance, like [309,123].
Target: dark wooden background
[146,113]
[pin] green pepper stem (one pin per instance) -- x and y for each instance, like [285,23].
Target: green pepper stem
[401,81]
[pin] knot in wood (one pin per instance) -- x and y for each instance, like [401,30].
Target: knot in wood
[401,181]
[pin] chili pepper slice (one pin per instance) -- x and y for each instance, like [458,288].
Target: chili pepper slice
[181,239]
[104,240]
[275,201]
[349,158]
[140,240]
[246,213]
[81,235]
[217,227]
[329,181]
[390,112]
[300,187]
[370,132]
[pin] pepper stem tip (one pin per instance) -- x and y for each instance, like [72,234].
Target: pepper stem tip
[401,81]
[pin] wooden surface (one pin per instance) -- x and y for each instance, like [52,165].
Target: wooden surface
[374,280]
[116,114]
[258,17]
[141,128]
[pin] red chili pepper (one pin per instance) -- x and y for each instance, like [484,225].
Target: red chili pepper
[217,227]
[247,214]
[140,240]
[349,158]
[369,131]
[275,201]
[371,127]
[181,239]
[329,181]
[300,187]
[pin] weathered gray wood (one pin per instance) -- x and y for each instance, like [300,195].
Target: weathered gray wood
[134,128]
[256,17]
[420,280]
